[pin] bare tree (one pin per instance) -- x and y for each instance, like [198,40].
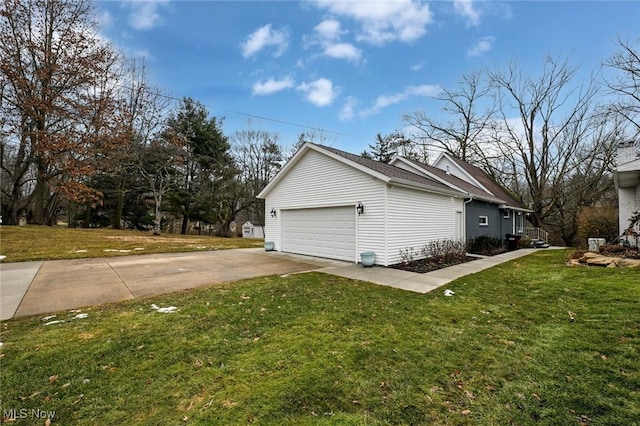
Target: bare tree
[55,69]
[259,157]
[542,142]
[626,82]
[156,163]
[142,112]
[462,133]
[588,180]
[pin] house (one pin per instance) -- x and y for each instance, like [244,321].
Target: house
[489,209]
[329,203]
[627,180]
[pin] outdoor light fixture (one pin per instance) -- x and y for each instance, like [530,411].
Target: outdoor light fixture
[360,208]
[273,212]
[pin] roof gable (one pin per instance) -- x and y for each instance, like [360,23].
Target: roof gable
[482,180]
[453,181]
[385,172]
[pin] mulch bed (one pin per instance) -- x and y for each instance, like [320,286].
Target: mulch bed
[423,266]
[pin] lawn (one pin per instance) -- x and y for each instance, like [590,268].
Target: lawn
[22,243]
[531,341]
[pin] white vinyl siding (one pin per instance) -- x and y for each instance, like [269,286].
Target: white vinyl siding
[324,232]
[319,181]
[416,217]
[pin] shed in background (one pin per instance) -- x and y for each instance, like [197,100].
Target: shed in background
[251,230]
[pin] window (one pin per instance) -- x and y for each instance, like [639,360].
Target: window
[507,214]
[483,220]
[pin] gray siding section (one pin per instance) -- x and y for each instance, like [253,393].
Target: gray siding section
[497,226]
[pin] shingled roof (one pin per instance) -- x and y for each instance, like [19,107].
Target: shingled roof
[459,183]
[486,181]
[393,172]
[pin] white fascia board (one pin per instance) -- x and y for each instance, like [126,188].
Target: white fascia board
[472,180]
[353,164]
[296,158]
[429,174]
[413,185]
[283,171]
[631,166]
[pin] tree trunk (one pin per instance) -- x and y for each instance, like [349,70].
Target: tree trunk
[185,223]
[117,213]
[73,212]
[158,217]
[37,217]
[86,222]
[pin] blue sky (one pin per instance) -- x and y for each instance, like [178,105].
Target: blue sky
[350,68]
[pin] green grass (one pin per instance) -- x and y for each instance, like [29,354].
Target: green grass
[22,243]
[315,349]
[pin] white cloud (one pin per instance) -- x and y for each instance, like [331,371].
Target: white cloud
[418,66]
[329,29]
[272,86]
[343,51]
[426,90]
[382,22]
[467,10]
[319,92]
[327,35]
[482,46]
[348,109]
[145,15]
[263,37]
[105,19]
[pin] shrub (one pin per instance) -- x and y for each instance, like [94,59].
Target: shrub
[445,251]
[485,245]
[597,222]
[407,255]
[524,242]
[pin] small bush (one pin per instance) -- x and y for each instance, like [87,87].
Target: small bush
[485,245]
[407,255]
[445,251]
[597,222]
[525,242]
[612,249]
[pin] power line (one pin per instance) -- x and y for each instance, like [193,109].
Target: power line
[274,120]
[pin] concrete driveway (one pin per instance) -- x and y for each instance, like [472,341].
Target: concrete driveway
[33,288]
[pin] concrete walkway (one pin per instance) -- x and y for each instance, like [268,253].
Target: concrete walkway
[422,283]
[35,288]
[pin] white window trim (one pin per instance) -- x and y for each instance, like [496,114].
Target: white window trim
[506,214]
[483,223]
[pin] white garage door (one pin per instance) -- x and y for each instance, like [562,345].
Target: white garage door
[324,232]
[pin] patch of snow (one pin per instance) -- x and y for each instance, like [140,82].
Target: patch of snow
[201,247]
[109,250]
[167,310]
[448,292]
[2,257]
[81,316]
[124,251]
[139,248]
[81,251]
[54,322]
[47,318]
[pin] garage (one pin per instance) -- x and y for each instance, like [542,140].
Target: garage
[324,232]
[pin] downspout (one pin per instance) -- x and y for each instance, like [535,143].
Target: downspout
[464,215]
